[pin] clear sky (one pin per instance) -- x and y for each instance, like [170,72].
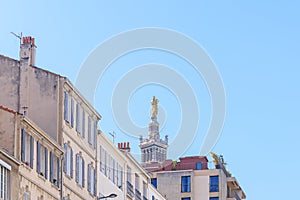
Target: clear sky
[255,46]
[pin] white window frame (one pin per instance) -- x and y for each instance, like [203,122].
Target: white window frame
[5,184]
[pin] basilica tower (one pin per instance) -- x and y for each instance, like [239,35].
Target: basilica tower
[153,148]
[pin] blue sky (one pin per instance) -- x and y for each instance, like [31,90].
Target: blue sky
[254,44]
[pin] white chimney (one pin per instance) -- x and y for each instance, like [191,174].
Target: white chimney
[28,50]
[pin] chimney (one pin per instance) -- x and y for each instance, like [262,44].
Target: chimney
[124,146]
[28,50]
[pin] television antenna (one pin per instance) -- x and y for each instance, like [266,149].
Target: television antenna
[113,135]
[18,36]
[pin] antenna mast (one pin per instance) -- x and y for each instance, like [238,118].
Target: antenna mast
[18,36]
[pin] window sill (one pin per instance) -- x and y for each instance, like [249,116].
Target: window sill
[55,186]
[79,185]
[42,177]
[27,165]
[68,177]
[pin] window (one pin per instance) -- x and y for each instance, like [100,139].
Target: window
[120,177]
[79,170]
[102,156]
[214,198]
[54,169]
[42,160]
[27,144]
[214,184]
[26,195]
[154,182]
[185,184]
[4,180]
[114,171]
[129,174]
[137,182]
[105,163]
[92,131]
[145,191]
[91,180]
[68,160]
[198,165]
[186,198]
[66,107]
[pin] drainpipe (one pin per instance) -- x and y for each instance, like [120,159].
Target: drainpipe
[61,176]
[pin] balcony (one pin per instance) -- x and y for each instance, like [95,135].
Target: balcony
[145,198]
[130,192]
[236,197]
[234,185]
[138,195]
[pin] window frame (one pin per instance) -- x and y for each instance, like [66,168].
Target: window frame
[213,185]
[185,184]
[79,169]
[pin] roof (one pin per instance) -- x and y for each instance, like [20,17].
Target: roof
[8,110]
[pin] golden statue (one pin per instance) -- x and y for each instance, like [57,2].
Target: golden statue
[154,103]
[215,157]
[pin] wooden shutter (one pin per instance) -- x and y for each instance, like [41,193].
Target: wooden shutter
[31,151]
[77,168]
[89,178]
[82,172]
[46,163]
[65,157]
[71,164]
[51,166]
[23,140]
[38,155]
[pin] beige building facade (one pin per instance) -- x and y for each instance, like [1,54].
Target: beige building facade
[191,179]
[122,174]
[51,146]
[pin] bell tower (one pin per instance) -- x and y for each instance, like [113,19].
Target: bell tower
[153,148]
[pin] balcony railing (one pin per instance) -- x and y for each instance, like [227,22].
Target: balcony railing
[236,196]
[138,195]
[130,189]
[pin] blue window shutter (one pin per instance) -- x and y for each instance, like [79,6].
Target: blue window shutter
[65,157]
[89,178]
[82,172]
[77,118]
[77,168]
[23,140]
[83,124]
[31,151]
[71,164]
[89,130]
[51,166]
[46,163]
[38,155]
[58,172]
[95,178]
[72,112]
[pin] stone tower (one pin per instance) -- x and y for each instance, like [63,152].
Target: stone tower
[153,148]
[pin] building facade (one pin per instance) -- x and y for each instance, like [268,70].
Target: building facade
[191,179]
[50,142]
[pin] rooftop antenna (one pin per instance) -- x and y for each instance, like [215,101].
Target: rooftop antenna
[113,135]
[18,36]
